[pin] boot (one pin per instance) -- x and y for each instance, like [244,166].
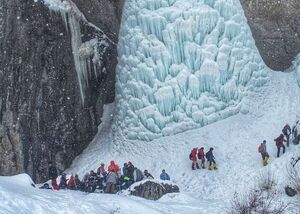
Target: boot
[202,166]
[209,167]
[193,166]
[197,165]
[215,166]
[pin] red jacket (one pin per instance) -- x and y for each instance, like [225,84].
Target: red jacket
[194,154]
[71,183]
[286,129]
[54,184]
[113,167]
[279,141]
[201,155]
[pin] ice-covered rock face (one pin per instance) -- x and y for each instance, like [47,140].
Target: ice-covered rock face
[182,64]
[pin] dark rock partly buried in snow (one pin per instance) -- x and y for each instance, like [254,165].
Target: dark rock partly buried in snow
[152,190]
[42,116]
[290,191]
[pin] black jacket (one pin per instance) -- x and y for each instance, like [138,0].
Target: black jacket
[52,172]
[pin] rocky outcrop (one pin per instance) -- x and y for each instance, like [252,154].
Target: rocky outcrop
[42,114]
[152,190]
[276,29]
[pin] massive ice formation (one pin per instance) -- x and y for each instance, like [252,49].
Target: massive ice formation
[182,64]
[87,54]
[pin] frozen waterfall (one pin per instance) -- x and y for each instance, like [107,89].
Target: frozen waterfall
[87,55]
[182,64]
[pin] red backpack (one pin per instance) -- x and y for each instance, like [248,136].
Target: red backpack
[260,148]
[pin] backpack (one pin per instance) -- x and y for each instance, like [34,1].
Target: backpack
[191,155]
[260,148]
[207,155]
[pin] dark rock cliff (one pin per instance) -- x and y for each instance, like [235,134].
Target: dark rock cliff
[42,115]
[276,29]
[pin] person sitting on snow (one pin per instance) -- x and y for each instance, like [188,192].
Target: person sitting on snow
[211,159]
[71,183]
[78,183]
[130,171]
[147,175]
[137,175]
[101,170]
[164,176]
[63,181]
[111,181]
[262,149]
[54,184]
[201,156]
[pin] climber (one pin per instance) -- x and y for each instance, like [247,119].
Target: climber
[164,176]
[52,171]
[287,132]
[111,181]
[262,149]
[137,175]
[279,143]
[147,175]
[193,158]
[113,167]
[63,181]
[201,156]
[71,183]
[211,159]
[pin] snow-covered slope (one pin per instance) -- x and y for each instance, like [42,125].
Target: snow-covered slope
[235,140]
[182,64]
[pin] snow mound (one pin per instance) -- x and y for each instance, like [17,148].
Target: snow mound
[182,65]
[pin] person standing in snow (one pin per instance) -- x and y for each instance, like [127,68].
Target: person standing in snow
[287,132]
[137,175]
[193,158]
[164,176]
[111,181]
[201,157]
[52,171]
[211,159]
[279,143]
[113,167]
[130,171]
[262,149]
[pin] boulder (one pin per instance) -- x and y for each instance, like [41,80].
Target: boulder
[290,191]
[152,190]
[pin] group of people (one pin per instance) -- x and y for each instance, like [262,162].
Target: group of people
[111,180]
[280,140]
[199,154]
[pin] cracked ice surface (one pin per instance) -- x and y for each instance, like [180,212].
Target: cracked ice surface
[183,64]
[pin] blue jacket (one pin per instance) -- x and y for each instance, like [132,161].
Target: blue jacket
[164,176]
